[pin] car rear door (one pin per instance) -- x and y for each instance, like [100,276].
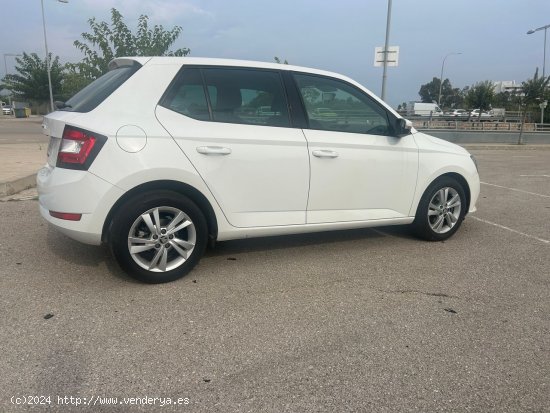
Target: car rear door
[253,161]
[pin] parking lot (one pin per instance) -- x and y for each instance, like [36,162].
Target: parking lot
[364,320]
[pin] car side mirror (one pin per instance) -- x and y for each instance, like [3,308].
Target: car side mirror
[404,127]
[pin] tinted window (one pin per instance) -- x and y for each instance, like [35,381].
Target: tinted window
[186,95]
[334,105]
[247,96]
[97,91]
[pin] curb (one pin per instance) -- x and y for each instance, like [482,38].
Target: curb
[13,187]
[505,147]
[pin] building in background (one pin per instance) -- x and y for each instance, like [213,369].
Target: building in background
[507,86]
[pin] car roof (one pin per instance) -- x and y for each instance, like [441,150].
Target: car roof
[208,61]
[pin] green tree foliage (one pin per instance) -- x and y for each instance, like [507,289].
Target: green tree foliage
[31,80]
[107,41]
[73,81]
[450,97]
[535,89]
[510,101]
[429,92]
[480,96]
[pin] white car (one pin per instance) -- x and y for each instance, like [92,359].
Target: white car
[7,110]
[457,113]
[475,114]
[162,154]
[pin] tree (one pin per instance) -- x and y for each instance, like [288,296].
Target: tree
[450,97]
[510,101]
[480,96]
[429,92]
[535,89]
[73,81]
[31,80]
[534,92]
[106,42]
[277,60]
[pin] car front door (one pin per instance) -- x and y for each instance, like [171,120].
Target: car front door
[359,170]
[234,126]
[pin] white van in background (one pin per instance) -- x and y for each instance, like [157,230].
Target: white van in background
[423,109]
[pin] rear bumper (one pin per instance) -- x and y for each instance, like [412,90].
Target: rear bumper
[79,192]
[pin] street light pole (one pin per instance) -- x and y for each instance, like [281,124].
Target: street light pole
[386,47]
[543,66]
[441,77]
[48,68]
[544,52]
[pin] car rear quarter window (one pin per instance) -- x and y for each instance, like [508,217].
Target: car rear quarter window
[186,95]
[96,92]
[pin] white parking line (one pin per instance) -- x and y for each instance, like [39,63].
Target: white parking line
[517,190]
[545,241]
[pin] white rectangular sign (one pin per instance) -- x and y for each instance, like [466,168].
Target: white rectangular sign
[393,56]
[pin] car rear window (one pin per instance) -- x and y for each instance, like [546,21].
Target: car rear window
[97,91]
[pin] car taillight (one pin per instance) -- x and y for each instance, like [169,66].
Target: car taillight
[78,148]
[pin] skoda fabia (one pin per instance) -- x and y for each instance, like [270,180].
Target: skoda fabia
[162,155]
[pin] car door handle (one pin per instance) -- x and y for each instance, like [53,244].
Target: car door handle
[323,153]
[213,150]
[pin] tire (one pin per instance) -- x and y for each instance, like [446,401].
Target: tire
[436,220]
[158,236]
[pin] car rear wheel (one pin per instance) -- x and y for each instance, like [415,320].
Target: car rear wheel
[441,210]
[158,236]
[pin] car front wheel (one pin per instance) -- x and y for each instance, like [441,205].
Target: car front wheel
[158,236]
[441,210]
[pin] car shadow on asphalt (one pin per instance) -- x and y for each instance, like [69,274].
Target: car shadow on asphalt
[92,256]
[304,240]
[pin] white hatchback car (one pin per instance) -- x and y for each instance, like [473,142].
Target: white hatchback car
[162,154]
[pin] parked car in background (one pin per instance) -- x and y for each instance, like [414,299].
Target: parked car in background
[155,159]
[475,114]
[7,110]
[457,113]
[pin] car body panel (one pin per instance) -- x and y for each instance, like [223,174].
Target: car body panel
[251,184]
[354,185]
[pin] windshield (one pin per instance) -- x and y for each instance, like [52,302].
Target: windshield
[97,91]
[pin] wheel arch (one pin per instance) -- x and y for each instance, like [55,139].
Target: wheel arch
[463,182]
[457,177]
[184,189]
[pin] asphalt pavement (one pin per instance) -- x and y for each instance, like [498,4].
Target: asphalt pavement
[23,150]
[366,321]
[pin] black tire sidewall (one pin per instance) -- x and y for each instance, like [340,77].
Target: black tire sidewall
[128,212]
[421,224]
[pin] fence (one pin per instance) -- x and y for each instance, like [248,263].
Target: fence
[480,126]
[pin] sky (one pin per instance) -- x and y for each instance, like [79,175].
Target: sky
[339,36]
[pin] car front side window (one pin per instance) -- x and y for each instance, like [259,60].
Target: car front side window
[334,105]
